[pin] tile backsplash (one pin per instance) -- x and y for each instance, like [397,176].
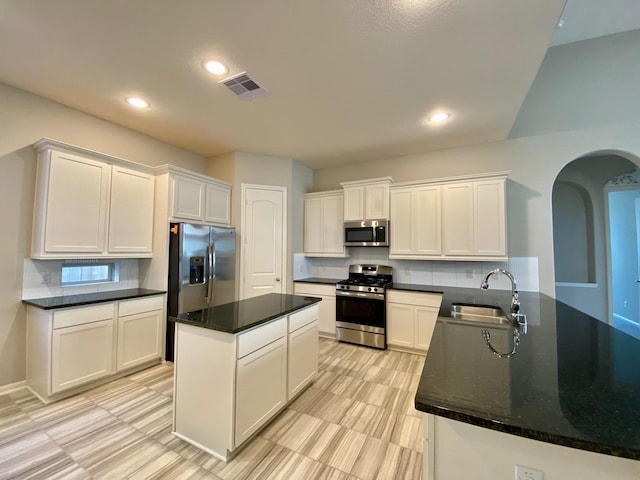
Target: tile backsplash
[41,278]
[443,273]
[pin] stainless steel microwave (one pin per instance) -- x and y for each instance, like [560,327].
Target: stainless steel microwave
[368,233]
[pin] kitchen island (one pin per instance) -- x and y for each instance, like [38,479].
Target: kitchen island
[237,365]
[565,401]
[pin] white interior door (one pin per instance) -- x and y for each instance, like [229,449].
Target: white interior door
[264,240]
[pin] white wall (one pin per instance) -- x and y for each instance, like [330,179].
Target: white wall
[535,160]
[25,119]
[250,168]
[583,85]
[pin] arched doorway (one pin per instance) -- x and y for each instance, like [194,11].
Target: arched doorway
[582,246]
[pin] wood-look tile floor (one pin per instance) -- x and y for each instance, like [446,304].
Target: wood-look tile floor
[356,421]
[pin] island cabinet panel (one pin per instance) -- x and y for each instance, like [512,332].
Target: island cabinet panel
[489,455]
[303,350]
[228,386]
[411,318]
[261,388]
[327,313]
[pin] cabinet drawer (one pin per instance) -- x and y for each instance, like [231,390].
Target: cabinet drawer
[303,317]
[81,315]
[413,298]
[260,336]
[315,289]
[140,305]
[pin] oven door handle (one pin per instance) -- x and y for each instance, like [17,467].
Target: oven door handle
[369,296]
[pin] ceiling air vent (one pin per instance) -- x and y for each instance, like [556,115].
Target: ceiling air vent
[244,86]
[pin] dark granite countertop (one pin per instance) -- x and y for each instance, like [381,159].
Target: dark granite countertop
[66,301]
[573,381]
[237,316]
[320,280]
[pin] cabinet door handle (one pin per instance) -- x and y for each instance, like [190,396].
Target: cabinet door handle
[277,279]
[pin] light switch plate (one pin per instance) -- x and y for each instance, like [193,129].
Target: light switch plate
[528,473]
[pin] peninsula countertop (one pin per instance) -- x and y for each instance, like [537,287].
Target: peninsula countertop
[572,381]
[234,317]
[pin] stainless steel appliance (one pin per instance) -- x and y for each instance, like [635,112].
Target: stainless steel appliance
[368,233]
[360,306]
[202,263]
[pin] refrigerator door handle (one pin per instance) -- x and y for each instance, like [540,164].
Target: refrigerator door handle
[212,275]
[209,273]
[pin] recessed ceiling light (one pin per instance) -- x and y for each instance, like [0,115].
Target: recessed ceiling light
[561,23]
[215,67]
[137,102]
[439,117]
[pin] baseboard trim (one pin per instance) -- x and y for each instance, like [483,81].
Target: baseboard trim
[12,387]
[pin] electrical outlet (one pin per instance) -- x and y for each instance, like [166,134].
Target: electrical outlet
[528,473]
[46,278]
[469,273]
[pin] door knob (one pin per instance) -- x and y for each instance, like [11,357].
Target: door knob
[278,279]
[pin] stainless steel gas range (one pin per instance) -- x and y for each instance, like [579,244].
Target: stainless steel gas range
[360,306]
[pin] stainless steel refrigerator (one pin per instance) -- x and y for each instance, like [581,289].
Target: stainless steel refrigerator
[202,263]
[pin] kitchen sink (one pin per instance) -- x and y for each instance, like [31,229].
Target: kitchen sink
[480,313]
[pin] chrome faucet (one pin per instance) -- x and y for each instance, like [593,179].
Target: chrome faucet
[515,304]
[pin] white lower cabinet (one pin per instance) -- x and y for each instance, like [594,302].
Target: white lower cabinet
[249,377]
[261,382]
[411,318]
[327,315]
[71,349]
[303,350]
[81,354]
[140,331]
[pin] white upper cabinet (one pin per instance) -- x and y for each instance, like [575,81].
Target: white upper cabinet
[324,225]
[449,219]
[188,198]
[89,205]
[474,219]
[217,207]
[200,199]
[131,211]
[416,221]
[366,199]
[458,218]
[489,217]
[72,204]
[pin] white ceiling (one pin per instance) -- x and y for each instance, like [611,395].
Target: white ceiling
[348,80]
